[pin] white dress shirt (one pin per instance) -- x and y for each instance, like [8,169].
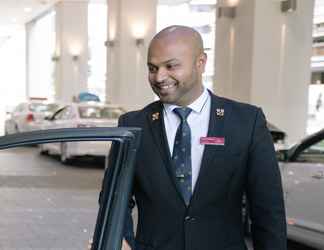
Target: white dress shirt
[198,121]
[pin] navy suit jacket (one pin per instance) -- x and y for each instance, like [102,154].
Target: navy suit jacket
[246,163]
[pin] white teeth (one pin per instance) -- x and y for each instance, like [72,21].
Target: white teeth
[167,86]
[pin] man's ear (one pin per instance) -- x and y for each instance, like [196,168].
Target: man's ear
[201,62]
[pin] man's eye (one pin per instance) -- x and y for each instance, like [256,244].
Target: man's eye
[171,66]
[152,69]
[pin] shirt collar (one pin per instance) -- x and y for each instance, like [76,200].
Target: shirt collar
[197,106]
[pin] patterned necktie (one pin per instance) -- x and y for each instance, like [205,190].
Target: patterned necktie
[182,154]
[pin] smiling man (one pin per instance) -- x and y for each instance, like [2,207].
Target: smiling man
[176,61]
[199,154]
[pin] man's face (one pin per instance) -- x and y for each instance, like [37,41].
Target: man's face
[175,71]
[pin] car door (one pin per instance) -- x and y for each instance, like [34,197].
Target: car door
[303,180]
[117,179]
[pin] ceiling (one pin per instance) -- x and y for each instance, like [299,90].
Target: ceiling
[14,13]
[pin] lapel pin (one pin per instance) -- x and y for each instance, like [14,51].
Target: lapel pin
[220,112]
[155,116]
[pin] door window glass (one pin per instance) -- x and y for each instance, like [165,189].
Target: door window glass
[313,153]
[47,205]
[67,113]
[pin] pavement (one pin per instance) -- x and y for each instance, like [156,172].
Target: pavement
[46,205]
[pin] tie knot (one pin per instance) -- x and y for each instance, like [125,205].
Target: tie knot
[182,112]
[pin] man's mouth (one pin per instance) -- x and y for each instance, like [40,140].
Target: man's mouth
[165,87]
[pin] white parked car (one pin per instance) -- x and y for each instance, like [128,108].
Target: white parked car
[28,115]
[302,171]
[79,115]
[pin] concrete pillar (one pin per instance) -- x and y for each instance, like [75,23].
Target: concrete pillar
[127,82]
[71,56]
[263,57]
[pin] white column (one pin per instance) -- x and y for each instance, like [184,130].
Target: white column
[71,71]
[263,57]
[127,82]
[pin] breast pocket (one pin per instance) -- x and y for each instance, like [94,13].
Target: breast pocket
[218,169]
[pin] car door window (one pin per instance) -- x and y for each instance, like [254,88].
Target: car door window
[112,113]
[57,115]
[67,113]
[313,154]
[19,108]
[63,114]
[38,215]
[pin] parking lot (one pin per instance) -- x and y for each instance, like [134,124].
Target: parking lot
[48,205]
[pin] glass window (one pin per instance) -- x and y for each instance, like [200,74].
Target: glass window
[314,153]
[97,32]
[199,14]
[13,70]
[20,108]
[315,108]
[61,114]
[47,206]
[100,112]
[67,113]
[40,107]
[41,46]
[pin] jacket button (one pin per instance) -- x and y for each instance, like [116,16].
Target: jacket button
[189,218]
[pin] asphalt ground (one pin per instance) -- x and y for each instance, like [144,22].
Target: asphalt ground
[47,205]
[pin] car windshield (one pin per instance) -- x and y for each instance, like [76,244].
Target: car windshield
[41,107]
[100,112]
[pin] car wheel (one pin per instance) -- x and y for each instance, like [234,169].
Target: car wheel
[64,156]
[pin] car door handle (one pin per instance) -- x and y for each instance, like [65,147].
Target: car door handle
[318,175]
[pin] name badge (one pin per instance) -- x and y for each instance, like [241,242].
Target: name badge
[220,141]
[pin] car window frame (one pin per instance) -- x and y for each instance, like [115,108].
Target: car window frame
[117,181]
[294,152]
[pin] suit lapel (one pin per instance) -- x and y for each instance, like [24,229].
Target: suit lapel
[156,122]
[218,115]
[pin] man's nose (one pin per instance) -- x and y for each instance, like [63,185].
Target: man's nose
[161,75]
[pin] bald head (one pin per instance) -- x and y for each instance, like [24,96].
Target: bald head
[176,62]
[183,34]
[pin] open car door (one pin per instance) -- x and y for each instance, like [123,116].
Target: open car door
[117,179]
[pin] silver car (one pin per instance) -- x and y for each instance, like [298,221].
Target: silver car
[302,170]
[26,116]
